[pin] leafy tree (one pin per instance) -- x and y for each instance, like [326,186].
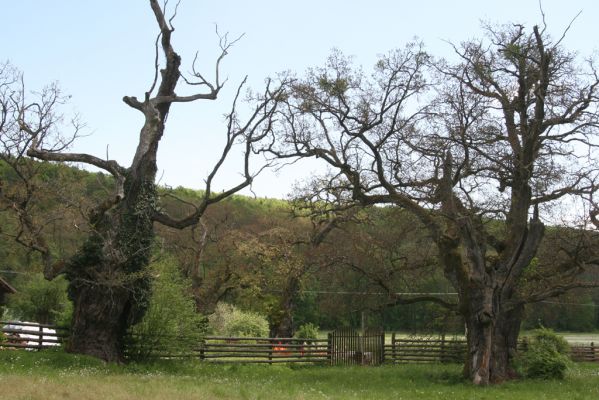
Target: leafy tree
[209,252]
[171,324]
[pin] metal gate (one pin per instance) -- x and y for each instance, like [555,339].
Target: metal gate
[348,347]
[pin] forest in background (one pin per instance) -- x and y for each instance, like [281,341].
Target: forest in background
[256,254]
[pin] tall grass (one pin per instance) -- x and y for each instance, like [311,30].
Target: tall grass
[55,375]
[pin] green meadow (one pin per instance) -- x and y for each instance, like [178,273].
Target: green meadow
[56,375]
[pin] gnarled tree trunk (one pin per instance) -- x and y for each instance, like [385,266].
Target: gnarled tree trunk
[491,339]
[108,279]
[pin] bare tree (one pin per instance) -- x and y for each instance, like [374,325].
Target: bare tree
[479,151]
[108,277]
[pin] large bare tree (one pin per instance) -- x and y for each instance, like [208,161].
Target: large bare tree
[479,150]
[108,277]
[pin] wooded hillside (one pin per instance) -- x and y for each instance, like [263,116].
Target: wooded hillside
[256,253]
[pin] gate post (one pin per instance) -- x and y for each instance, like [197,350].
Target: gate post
[382,360]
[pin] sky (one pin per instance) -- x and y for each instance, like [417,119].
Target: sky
[100,51]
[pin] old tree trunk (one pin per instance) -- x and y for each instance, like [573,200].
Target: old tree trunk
[109,280]
[476,166]
[515,116]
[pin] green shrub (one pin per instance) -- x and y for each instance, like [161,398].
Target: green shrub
[171,325]
[546,356]
[228,320]
[41,301]
[307,331]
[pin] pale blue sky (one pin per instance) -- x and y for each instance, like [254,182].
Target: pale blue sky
[100,51]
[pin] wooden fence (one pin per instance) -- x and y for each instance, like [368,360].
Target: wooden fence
[584,353]
[264,350]
[32,336]
[348,347]
[403,351]
[341,347]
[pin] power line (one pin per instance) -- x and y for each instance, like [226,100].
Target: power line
[8,271]
[424,294]
[378,293]
[570,304]
[369,293]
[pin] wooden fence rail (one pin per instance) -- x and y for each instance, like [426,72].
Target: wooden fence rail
[32,336]
[585,353]
[263,350]
[219,349]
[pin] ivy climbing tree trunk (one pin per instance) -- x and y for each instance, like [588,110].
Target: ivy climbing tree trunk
[108,277]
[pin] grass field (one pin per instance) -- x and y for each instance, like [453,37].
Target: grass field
[55,375]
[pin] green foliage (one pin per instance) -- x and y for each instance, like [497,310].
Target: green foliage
[171,324]
[307,331]
[572,311]
[228,320]
[336,87]
[41,301]
[546,356]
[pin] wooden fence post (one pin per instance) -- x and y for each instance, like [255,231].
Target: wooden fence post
[442,353]
[270,351]
[593,351]
[393,350]
[202,346]
[382,360]
[40,337]
[330,348]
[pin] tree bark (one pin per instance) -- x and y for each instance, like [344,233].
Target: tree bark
[109,283]
[491,339]
[98,325]
[283,324]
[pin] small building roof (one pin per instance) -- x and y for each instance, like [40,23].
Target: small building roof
[5,287]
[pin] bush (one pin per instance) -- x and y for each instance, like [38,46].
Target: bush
[228,320]
[41,301]
[307,331]
[546,356]
[171,324]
